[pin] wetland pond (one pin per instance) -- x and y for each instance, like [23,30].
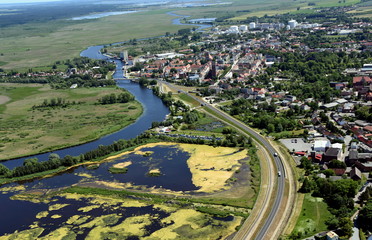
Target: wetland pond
[93,216]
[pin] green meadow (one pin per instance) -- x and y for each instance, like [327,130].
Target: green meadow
[313,215]
[26,131]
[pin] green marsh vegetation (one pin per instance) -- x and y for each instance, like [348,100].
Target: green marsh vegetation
[23,45]
[36,116]
[118,170]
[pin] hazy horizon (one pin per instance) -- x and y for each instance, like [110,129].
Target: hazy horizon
[27,1]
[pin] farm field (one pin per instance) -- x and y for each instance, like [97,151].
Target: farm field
[26,130]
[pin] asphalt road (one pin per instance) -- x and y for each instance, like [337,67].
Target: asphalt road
[278,162]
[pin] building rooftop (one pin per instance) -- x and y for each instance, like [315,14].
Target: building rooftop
[332,152]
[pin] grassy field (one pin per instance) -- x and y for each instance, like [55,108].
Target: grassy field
[313,215]
[31,45]
[241,10]
[26,131]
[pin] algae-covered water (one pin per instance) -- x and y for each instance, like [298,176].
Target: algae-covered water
[79,217]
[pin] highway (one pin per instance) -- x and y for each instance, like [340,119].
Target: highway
[277,160]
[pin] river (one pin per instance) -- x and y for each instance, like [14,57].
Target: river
[154,109]
[16,215]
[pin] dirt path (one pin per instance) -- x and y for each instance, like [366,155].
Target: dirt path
[4,99]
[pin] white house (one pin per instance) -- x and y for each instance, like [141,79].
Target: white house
[321,145]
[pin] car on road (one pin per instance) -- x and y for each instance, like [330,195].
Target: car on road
[279,174]
[275,154]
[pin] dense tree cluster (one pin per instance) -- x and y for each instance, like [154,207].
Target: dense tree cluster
[313,72]
[339,197]
[145,82]
[263,117]
[59,82]
[53,103]
[81,81]
[365,216]
[112,98]
[363,113]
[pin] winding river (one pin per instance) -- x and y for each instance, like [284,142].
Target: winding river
[18,216]
[154,109]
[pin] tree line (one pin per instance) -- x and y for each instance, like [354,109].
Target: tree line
[53,103]
[263,117]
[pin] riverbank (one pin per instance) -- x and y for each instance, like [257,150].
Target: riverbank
[28,129]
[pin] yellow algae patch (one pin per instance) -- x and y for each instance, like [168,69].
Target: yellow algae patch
[98,201]
[61,233]
[154,172]
[190,224]
[133,226]
[177,219]
[138,150]
[133,203]
[105,220]
[115,184]
[17,188]
[42,214]
[26,234]
[212,167]
[77,220]
[123,164]
[57,206]
[34,225]
[73,196]
[55,216]
[88,208]
[146,153]
[165,208]
[86,175]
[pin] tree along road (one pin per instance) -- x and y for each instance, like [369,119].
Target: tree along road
[278,162]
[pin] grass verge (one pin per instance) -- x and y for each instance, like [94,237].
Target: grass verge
[313,215]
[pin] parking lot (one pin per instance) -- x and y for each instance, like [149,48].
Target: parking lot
[297,144]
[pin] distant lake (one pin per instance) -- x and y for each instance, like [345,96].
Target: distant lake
[101,15]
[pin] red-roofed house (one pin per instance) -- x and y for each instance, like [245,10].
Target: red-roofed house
[361,81]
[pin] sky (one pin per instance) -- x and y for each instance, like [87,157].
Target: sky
[25,1]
